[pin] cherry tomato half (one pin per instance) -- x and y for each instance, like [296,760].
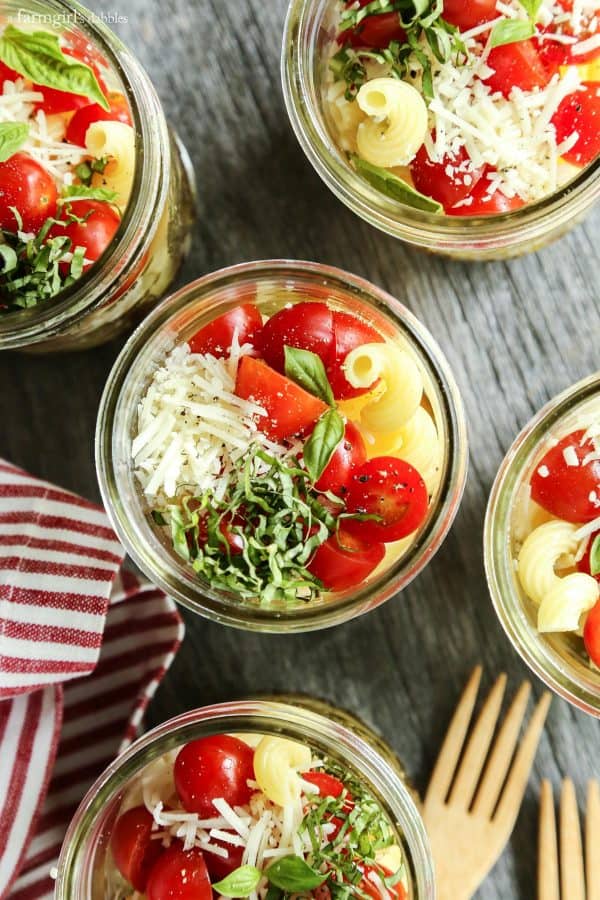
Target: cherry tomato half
[392,489]
[62,101]
[95,233]
[345,560]
[179,874]
[591,634]
[448,181]
[376,32]
[27,186]
[216,337]
[467,14]
[580,112]
[328,785]
[563,490]
[7,74]
[289,408]
[133,850]
[348,454]
[220,867]
[516,65]
[348,332]
[305,325]
[93,112]
[211,768]
[481,203]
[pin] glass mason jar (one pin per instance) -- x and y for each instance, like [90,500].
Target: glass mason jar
[176,320]
[153,237]
[310,28]
[558,659]
[84,857]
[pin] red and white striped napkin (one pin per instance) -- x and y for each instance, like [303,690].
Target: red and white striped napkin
[83,647]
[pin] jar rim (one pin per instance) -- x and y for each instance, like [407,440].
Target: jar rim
[191,593]
[252,715]
[440,233]
[581,691]
[148,193]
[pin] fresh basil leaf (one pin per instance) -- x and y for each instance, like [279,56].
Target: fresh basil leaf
[307,370]
[158,517]
[532,8]
[239,883]
[394,187]
[321,445]
[274,893]
[510,31]
[12,137]
[594,552]
[8,259]
[293,874]
[37,55]
[85,192]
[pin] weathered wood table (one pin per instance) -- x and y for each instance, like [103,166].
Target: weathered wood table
[516,333]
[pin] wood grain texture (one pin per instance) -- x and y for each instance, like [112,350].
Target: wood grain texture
[516,333]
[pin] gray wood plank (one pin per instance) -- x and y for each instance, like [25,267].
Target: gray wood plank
[516,333]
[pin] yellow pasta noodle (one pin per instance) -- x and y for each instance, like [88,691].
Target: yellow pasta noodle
[346,115]
[569,599]
[397,122]
[116,140]
[277,762]
[401,377]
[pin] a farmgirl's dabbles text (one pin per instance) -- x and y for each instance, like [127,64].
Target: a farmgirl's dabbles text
[467,107]
[288,457]
[67,155]
[556,536]
[221,818]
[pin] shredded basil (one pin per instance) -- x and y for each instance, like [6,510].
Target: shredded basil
[12,137]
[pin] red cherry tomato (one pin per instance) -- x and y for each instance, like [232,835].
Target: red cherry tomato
[345,560]
[591,634]
[349,332]
[305,325]
[62,101]
[179,874]
[349,453]
[566,490]
[216,337]
[467,14]
[580,112]
[220,867]
[289,408]
[328,785]
[95,233]
[584,564]
[27,186]
[448,181]
[392,489]
[376,32]
[555,54]
[480,203]
[7,74]
[93,112]
[211,768]
[516,65]
[133,850]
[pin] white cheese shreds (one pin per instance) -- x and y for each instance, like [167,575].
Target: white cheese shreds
[587,529]
[570,456]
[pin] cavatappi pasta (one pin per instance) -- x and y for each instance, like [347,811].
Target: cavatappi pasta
[396,122]
[116,142]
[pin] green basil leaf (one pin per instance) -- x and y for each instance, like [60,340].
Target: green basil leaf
[37,55]
[85,192]
[12,137]
[293,874]
[394,187]
[594,555]
[307,370]
[8,259]
[239,883]
[532,7]
[510,31]
[321,445]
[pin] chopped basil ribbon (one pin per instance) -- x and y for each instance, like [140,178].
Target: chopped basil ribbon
[37,56]
[511,31]
[307,370]
[395,187]
[293,874]
[83,192]
[239,883]
[594,555]
[12,137]
[322,443]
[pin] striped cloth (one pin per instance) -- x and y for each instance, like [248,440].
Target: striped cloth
[67,610]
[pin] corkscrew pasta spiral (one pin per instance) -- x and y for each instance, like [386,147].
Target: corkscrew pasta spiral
[114,140]
[397,122]
[277,762]
[403,384]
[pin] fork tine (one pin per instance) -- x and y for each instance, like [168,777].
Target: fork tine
[548,884]
[510,800]
[477,748]
[592,837]
[502,754]
[571,851]
[448,757]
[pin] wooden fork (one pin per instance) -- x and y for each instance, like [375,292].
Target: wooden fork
[469,816]
[570,879]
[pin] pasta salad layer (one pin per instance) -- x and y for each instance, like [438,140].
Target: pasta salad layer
[67,159]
